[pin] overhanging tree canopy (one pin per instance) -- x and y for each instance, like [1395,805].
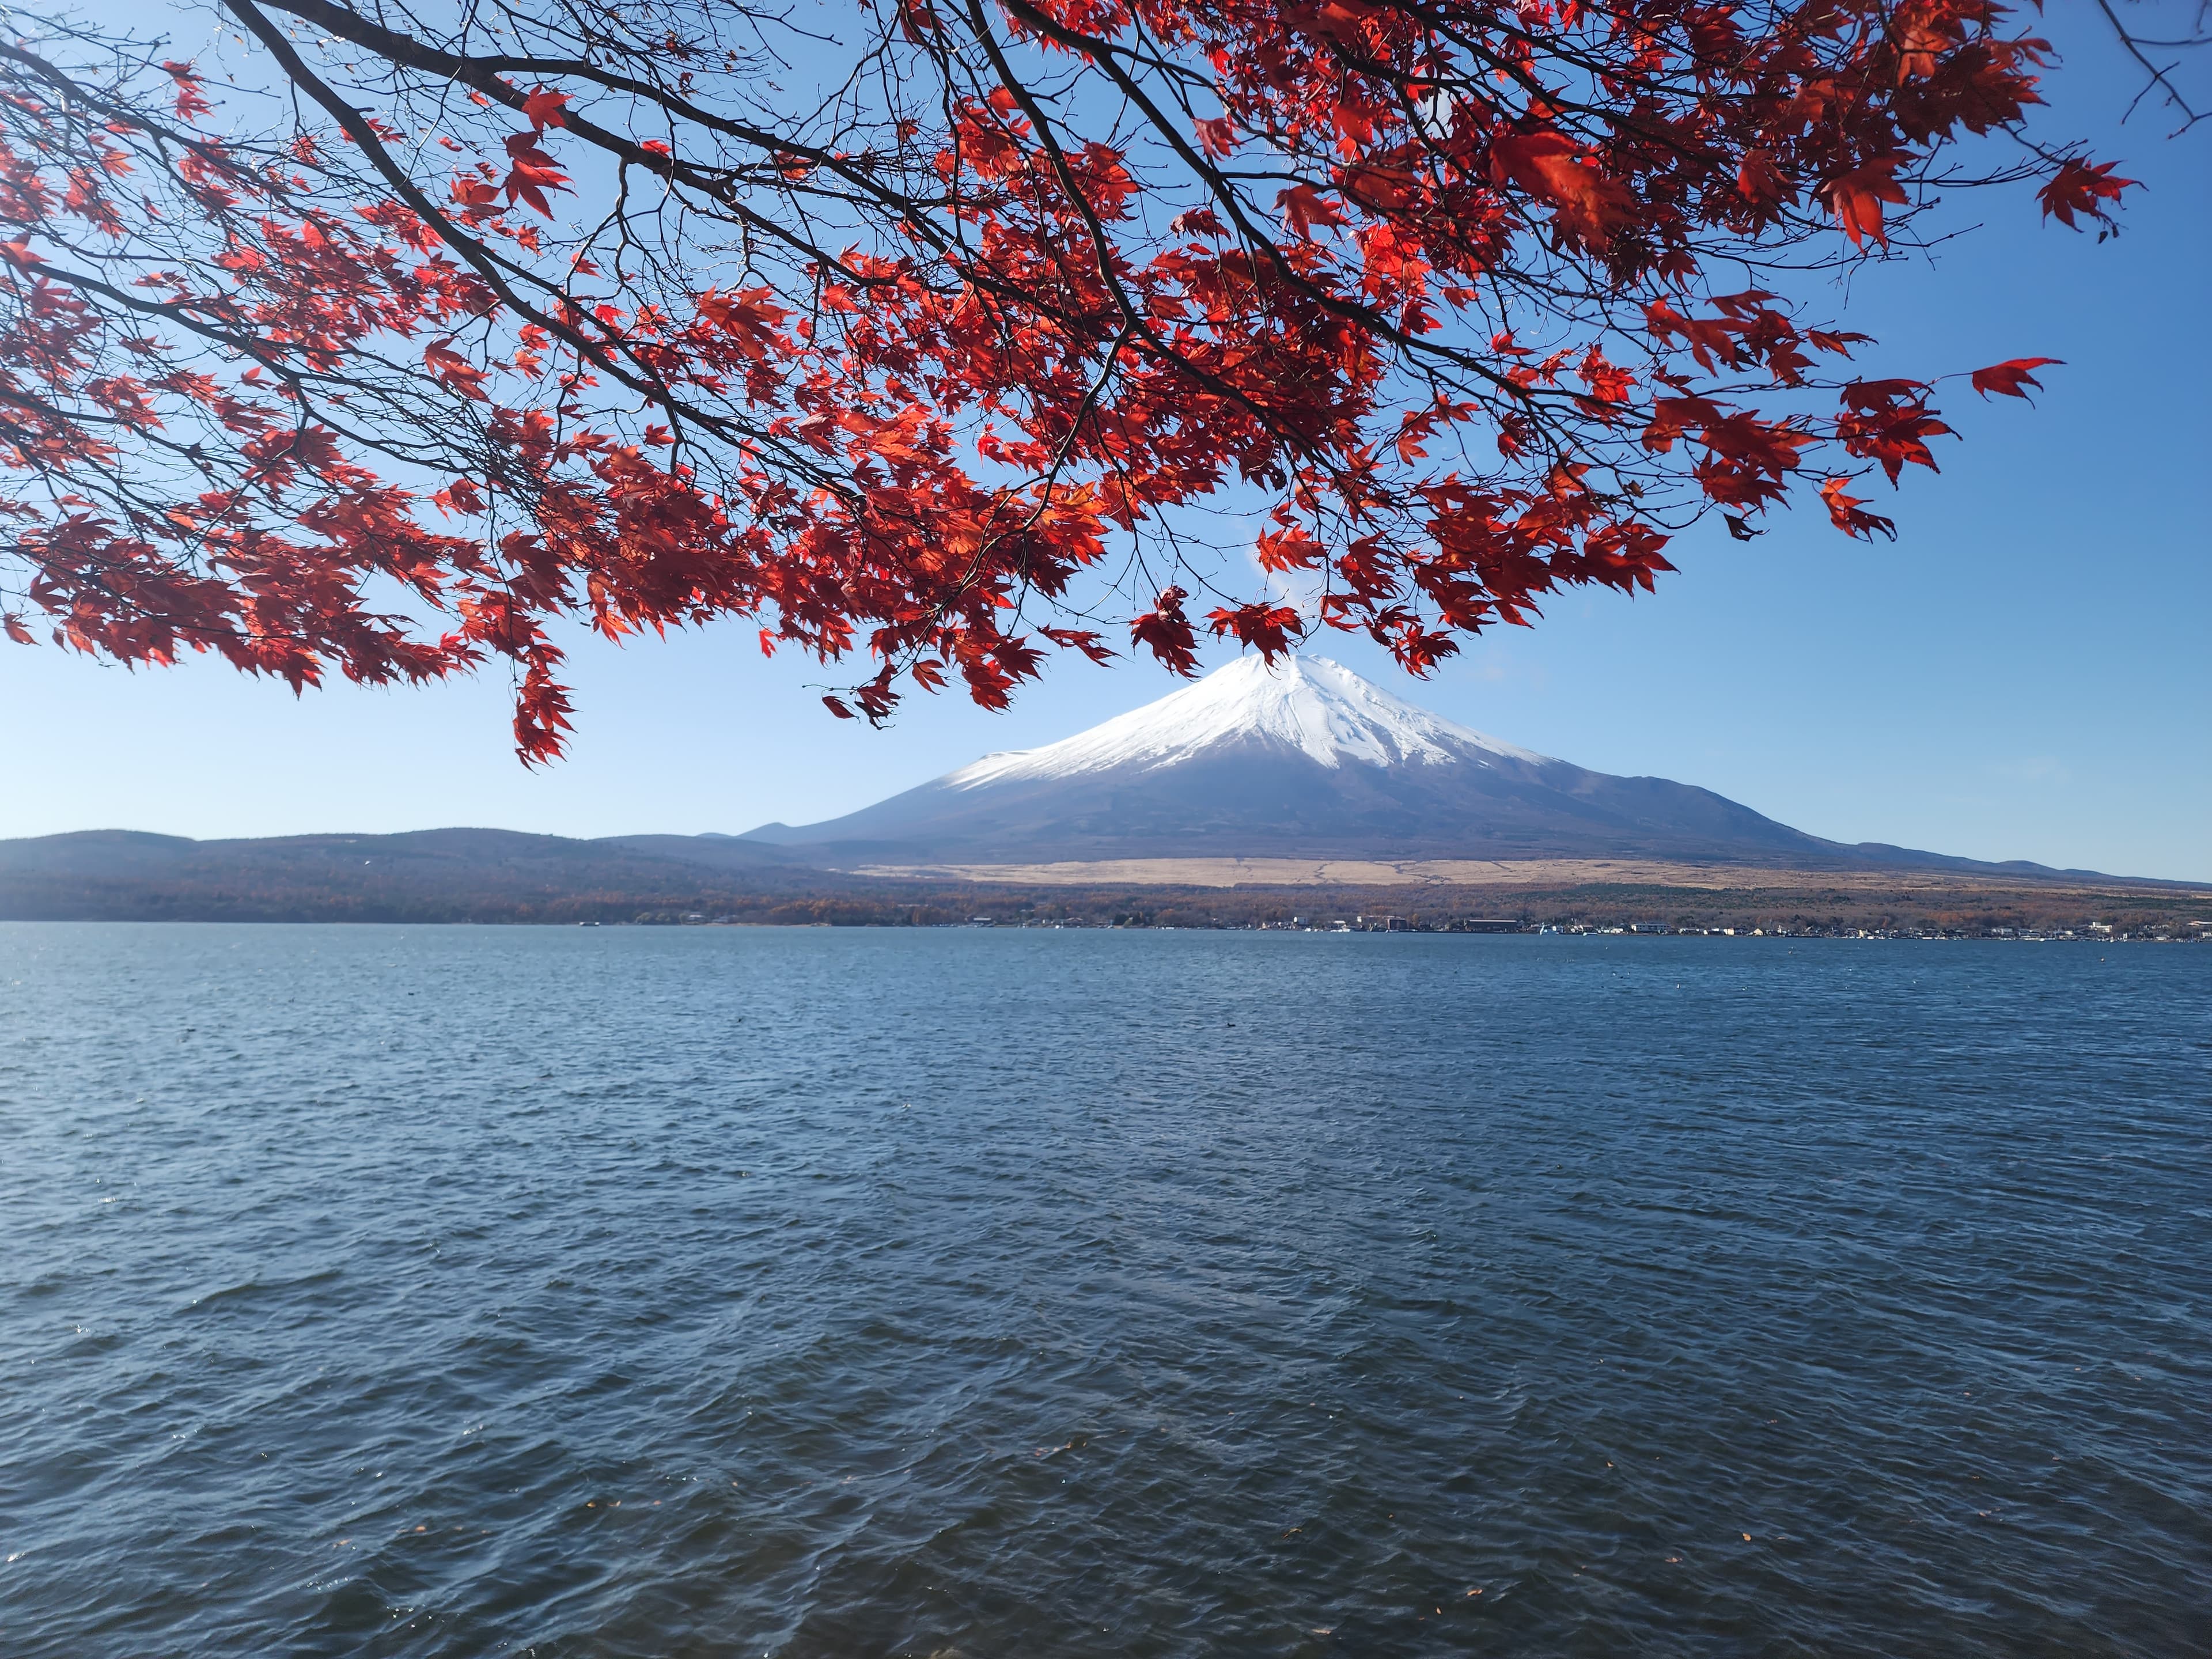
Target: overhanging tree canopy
[919,331]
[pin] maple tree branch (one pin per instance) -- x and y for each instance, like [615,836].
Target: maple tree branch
[496,272]
[483,73]
[922,345]
[2160,79]
[1232,200]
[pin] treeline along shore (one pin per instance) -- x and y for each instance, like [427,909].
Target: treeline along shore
[500,878]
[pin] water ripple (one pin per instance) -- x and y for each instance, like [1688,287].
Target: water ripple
[409,1292]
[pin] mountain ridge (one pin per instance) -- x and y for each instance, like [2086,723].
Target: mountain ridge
[1247,773]
[1307,760]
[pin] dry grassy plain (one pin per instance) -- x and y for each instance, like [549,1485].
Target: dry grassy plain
[1497,872]
[1232,892]
[495,876]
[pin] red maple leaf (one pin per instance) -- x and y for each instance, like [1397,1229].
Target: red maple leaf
[1166,632]
[1858,196]
[2009,378]
[2080,188]
[1269,628]
[544,108]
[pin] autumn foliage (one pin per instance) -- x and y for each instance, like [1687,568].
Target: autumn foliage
[958,340]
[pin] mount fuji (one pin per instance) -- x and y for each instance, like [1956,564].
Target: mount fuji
[1304,760]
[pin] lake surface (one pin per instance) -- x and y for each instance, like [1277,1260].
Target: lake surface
[416,1291]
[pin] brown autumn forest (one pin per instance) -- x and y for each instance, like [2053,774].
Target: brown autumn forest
[494,877]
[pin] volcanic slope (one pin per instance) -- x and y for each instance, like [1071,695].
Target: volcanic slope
[1306,759]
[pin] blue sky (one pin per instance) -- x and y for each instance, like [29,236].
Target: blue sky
[2026,673]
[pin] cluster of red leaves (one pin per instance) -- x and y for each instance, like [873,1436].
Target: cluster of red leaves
[356,407]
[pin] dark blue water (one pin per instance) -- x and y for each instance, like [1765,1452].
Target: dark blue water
[385,1291]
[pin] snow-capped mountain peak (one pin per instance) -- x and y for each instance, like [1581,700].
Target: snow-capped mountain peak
[1309,704]
[1304,761]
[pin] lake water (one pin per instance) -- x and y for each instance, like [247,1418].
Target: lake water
[416,1291]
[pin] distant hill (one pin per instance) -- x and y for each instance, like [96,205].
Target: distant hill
[1307,760]
[427,875]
